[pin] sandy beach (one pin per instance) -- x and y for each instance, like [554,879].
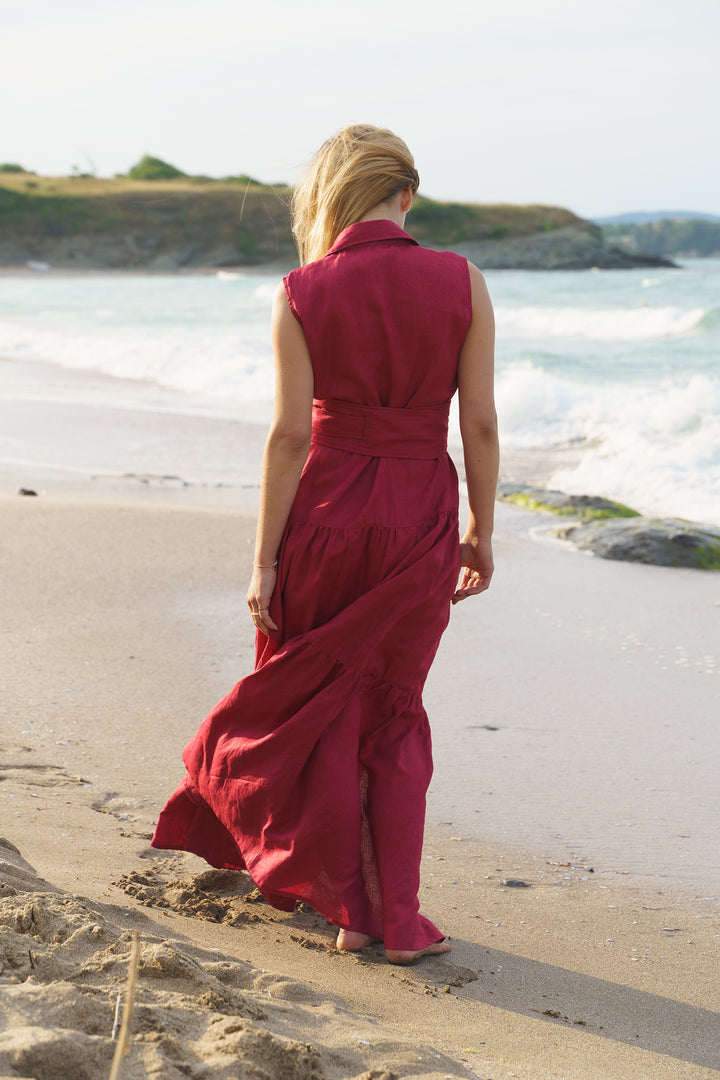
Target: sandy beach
[572,843]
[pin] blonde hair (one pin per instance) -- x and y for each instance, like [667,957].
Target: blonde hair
[351,173]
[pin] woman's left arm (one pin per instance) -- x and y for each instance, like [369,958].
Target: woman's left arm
[286,451]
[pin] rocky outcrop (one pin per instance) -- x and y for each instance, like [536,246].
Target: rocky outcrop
[615,531]
[561,249]
[125,224]
[660,541]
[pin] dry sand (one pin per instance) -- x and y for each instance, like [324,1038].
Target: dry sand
[571,850]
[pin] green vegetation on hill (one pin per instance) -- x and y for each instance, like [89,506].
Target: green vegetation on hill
[668,237]
[152,168]
[123,223]
[463,223]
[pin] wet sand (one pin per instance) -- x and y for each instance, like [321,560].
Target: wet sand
[571,847]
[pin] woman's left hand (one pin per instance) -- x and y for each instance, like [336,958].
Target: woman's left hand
[476,568]
[262,585]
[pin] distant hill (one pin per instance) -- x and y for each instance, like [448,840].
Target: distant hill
[668,237]
[166,224]
[645,217]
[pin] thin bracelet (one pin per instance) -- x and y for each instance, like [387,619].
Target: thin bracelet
[266,566]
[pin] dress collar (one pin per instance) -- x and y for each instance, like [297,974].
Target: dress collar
[367,232]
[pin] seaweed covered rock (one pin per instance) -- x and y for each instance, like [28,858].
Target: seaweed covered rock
[662,541]
[615,531]
[586,507]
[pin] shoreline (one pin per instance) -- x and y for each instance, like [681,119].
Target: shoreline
[67,430]
[182,462]
[63,428]
[260,269]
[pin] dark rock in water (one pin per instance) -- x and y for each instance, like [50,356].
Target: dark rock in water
[587,507]
[27,491]
[662,542]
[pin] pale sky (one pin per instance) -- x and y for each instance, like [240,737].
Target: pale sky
[602,106]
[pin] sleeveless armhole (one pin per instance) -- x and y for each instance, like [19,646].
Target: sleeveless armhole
[468,290]
[291,299]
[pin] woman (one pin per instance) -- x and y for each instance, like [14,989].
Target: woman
[312,772]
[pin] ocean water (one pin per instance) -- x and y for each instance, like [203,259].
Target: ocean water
[622,365]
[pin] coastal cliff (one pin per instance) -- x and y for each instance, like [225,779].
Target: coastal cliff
[166,225]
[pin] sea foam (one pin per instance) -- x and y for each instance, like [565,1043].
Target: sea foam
[655,447]
[599,324]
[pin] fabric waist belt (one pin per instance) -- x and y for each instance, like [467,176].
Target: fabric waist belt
[378,431]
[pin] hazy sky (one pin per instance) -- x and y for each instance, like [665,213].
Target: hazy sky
[600,106]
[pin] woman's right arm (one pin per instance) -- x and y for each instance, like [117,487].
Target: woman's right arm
[286,451]
[478,427]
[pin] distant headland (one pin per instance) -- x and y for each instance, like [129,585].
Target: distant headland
[157,218]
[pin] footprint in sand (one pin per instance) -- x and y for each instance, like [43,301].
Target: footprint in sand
[217,895]
[31,775]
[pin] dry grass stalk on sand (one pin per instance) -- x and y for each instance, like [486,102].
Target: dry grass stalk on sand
[124,1038]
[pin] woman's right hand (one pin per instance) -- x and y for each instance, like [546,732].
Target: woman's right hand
[262,586]
[476,568]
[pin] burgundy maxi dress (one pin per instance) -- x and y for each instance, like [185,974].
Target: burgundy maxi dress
[312,772]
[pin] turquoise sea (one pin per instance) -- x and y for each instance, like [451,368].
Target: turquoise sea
[624,365]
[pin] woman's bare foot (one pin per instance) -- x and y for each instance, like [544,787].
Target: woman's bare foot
[405,956]
[353,941]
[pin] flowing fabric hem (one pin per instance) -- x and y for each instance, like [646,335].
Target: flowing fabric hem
[182,826]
